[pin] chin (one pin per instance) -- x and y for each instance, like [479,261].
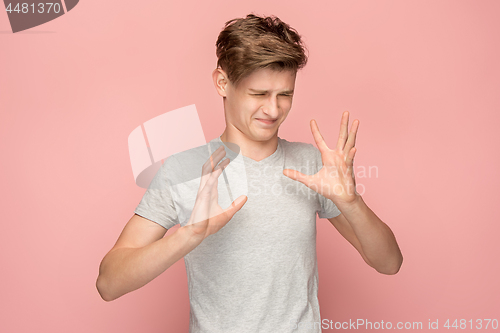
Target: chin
[264,137]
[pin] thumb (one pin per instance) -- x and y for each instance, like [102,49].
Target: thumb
[296,175]
[236,205]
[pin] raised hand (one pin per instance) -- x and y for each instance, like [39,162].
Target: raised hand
[208,217]
[335,180]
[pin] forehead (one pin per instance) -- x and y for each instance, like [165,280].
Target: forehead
[269,79]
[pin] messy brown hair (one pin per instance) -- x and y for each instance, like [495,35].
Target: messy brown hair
[254,42]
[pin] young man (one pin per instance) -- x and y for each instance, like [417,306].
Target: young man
[257,272]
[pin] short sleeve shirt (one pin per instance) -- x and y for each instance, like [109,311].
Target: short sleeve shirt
[259,272]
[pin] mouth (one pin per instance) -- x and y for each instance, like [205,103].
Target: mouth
[267,121]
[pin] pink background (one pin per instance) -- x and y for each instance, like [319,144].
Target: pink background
[422,77]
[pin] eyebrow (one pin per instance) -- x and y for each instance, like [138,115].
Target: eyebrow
[265,91]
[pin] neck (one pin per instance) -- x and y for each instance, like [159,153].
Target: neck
[256,150]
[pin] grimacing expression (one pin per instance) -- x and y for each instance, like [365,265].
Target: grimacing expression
[260,103]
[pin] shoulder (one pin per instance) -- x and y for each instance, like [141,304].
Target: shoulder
[186,165]
[303,149]
[301,156]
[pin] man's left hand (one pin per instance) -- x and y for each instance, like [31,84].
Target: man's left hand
[335,180]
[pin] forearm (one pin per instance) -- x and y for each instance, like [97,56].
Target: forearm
[376,238]
[126,269]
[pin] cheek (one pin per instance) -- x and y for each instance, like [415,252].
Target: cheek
[287,106]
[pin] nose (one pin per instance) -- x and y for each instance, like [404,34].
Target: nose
[271,107]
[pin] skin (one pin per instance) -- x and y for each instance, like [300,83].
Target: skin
[357,223]
[141,252]
[243,107]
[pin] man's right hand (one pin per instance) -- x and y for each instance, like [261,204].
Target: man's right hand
[208,217]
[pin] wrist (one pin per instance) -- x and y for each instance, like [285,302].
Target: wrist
[189,236]
[353,205]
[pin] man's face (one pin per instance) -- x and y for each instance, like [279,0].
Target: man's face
[261,102]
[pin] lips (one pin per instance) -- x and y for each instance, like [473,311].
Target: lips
[267,121]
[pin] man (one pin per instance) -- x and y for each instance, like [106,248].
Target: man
[257,272]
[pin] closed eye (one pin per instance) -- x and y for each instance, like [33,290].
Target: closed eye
[264,94]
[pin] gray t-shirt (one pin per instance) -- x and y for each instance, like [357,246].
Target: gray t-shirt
[259,272]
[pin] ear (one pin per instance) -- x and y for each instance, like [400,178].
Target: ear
[220,81]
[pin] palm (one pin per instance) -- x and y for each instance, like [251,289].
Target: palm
[208,217]
[335,180]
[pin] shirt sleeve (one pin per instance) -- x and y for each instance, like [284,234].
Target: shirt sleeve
[157,204]
[328,208]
